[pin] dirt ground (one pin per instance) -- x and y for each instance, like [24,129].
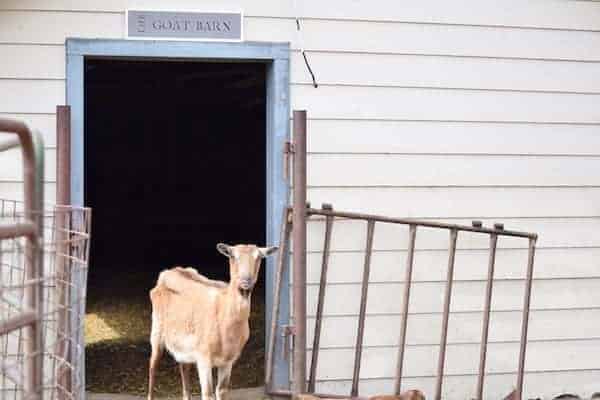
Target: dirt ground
[117,327]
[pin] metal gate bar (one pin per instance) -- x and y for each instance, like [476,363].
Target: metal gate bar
[423,223]
[320,302]
[525,322]
[363,308]
[412,234]
[486,314]
[447,299]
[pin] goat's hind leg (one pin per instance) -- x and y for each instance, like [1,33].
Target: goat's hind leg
[186,389]
[224,376]
[157,351]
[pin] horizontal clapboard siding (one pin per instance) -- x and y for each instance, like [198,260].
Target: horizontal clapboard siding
[334,136]
[351,102]
[424,329]
[462,359]
[14,190]
[26,61]
[513,13]
[467,296]
[45,28]
[444,170]
[400,70]
[464,202]
[34,96]
[471,265]
[434,39]
[475,109]
[12,162]
[565,233]
[336,35]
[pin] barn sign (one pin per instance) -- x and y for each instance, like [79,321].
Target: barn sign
[177,25]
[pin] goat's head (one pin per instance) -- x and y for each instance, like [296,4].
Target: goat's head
[244,264]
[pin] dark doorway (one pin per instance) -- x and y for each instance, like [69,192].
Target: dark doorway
[175,162]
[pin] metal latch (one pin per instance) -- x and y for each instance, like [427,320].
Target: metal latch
[288,151]
[287,331]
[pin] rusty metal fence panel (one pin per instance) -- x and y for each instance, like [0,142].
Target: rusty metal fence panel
[297,217]
[41,249]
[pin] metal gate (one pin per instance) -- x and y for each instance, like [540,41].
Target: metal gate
[294,335]
[43,269]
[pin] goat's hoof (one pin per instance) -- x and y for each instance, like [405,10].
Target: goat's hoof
[223,395]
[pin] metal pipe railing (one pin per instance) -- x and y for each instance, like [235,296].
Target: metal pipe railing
[33,174]
[8,231]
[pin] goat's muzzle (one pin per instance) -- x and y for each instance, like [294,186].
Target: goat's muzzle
[245,287]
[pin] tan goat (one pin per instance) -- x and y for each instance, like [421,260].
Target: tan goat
[204,322]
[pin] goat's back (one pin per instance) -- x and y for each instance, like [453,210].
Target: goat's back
[179,279]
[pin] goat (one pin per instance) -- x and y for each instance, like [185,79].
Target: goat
[202,321]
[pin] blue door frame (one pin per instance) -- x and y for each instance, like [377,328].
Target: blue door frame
[275,55]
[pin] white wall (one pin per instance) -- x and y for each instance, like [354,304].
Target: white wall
[448,110]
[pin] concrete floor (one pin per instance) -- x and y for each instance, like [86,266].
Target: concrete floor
[236,394]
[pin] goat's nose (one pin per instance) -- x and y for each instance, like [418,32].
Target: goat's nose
[246,283]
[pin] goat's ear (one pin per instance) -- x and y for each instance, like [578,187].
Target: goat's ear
[224,249]
[267,251]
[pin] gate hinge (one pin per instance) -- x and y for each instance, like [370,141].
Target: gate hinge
[288,331]
[288,151]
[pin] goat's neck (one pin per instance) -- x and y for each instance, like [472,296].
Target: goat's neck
[237,307]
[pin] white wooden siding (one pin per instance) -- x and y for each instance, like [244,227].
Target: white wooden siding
[440,137]
[451,111]
[465,202]
[430,71]
[457,170]
[554,14]
[352,102]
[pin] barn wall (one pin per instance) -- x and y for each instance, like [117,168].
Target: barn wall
[453,111]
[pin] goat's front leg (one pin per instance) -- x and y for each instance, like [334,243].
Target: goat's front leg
[186,389]
[224,376]
[206,381]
